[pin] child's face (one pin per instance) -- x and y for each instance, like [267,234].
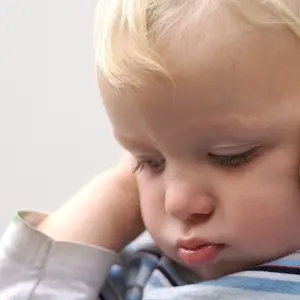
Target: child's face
[223,150]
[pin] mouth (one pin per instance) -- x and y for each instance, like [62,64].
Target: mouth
[196,252]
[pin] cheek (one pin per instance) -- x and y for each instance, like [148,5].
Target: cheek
[266,218]
[265,205]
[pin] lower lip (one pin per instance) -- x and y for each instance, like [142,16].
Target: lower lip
[199,256]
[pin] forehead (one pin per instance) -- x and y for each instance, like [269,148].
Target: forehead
[248,79]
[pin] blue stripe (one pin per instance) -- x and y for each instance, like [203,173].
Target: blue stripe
[257,284]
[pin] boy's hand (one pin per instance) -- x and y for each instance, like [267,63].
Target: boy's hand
[106,212]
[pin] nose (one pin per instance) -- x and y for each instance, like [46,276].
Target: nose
[186,202]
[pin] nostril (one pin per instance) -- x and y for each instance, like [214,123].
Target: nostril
[197,218]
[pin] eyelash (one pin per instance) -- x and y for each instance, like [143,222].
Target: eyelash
[233,161]
[149,162]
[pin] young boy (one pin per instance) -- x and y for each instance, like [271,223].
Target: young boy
[205,95]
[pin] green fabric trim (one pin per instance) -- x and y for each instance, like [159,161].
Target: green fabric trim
[16,217]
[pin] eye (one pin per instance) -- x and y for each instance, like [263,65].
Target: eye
[152,164]
[233,160]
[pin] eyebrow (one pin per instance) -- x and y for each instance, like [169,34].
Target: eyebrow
[129,142]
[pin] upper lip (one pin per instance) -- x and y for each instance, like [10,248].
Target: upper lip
[192,243]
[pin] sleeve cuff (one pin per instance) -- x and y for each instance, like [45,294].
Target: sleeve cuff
[25,247]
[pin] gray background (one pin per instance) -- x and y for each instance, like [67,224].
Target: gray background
[54,135]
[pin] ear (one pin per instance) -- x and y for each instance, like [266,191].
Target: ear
[299,163]
[299,171]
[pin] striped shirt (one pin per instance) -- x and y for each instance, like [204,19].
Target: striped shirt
[148,274]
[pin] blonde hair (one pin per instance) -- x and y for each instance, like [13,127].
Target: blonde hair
[127,31]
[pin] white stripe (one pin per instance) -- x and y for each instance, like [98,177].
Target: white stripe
[269,275]
[294,256]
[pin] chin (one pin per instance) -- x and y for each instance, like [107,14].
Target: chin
[206,273]
[220,269]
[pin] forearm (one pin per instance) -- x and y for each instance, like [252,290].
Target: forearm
[95,214]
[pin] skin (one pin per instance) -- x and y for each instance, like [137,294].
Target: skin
[232,94]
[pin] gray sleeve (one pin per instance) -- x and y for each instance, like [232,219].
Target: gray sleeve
[33,266]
